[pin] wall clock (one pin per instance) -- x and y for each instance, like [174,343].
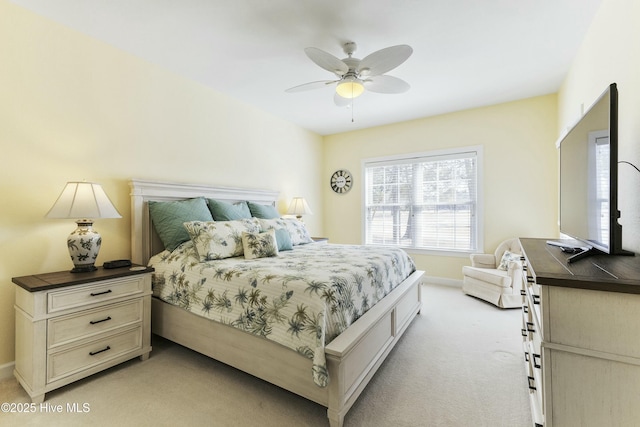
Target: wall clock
[341,181]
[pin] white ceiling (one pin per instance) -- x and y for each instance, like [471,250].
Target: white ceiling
[467,53]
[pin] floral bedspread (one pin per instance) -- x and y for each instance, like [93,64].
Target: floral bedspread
[301,299]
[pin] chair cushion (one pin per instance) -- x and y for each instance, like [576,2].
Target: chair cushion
[489,275]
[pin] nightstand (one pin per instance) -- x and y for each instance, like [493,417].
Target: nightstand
[72,325]
[320,239]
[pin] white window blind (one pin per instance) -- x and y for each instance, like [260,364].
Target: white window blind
[426,201]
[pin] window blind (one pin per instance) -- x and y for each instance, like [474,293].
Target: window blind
[423,201]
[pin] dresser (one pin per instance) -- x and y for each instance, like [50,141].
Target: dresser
[72,325]
[581,337]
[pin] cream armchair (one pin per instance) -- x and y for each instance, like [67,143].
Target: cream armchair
[497,277]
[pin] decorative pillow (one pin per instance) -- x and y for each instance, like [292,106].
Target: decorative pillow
[283,239]
[297,230]
[259,245]
[263,211]
[506,258]
[223,211]
[219,239]
[168,217]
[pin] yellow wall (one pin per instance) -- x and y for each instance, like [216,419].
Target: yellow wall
[60,90]
[611,53]
[73,108]
[520,171]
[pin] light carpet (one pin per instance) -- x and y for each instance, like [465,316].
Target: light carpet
[460,363]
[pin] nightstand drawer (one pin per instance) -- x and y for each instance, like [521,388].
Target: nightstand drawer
[67,362]
[64,329]
[95,293]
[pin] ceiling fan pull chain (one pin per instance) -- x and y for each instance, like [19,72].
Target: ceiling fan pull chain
[352,110]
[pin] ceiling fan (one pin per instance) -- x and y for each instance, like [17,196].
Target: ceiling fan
[355,75]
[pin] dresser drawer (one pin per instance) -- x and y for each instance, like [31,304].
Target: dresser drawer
[64,329]
[67,362]
[81,296]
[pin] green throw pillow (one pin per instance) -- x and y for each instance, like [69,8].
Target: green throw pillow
[284,239]
[263,211]
[223,211]
[168,217]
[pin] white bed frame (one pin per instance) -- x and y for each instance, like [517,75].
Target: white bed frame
[352,358]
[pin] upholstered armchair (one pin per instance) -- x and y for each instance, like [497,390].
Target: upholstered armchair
[497,277]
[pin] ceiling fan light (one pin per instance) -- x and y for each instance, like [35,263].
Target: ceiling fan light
[350,88]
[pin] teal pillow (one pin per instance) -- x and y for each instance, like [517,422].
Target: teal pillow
[283,239]
[168,217]
[263,211]
[223,211]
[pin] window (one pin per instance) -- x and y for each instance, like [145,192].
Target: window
[426,201]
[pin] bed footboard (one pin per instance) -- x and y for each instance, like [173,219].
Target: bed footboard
[356,354]
[352,358]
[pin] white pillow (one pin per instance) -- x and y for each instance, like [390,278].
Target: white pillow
[506,258]
[260,245]
[219,239]
[297,230]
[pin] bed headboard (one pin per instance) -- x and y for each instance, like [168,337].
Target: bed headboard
[144,241]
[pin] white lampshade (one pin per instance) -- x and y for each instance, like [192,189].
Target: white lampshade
[83,201]
[299,207]
[350,87]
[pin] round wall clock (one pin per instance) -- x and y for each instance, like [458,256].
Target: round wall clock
[341,181]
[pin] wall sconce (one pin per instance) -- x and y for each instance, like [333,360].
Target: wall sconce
[299,207]
[83,201]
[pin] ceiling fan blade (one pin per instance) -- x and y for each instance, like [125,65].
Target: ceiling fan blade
[386,84]
[312,85]
[384,60]
[327,61]
[340,101]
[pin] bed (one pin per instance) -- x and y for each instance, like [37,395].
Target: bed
[348,361]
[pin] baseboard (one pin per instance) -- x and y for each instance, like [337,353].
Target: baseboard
[6,370]
[432,280]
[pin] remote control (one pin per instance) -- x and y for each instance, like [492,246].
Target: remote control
[119,263]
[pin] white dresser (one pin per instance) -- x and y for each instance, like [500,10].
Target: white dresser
[581,337]
[71,325]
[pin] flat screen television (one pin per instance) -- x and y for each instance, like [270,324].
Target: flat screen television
[589,181]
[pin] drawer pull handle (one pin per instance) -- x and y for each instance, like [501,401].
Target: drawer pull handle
[530,327]
[93,322]
[523,292]
[530,279]
[536,299]
[525,309]
[95,294]
[93,353]
[532,382]
[524,332]
[536,364]
[526,357]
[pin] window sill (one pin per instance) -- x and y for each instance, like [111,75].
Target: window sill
[433,252]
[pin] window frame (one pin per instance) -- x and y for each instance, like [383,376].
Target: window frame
[409,158]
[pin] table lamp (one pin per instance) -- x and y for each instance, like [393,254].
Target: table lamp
[84,201]
[299,207]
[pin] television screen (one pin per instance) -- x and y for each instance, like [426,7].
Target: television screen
[589,176]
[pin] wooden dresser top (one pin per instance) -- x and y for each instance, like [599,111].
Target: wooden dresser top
[59,279]
[597,272]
